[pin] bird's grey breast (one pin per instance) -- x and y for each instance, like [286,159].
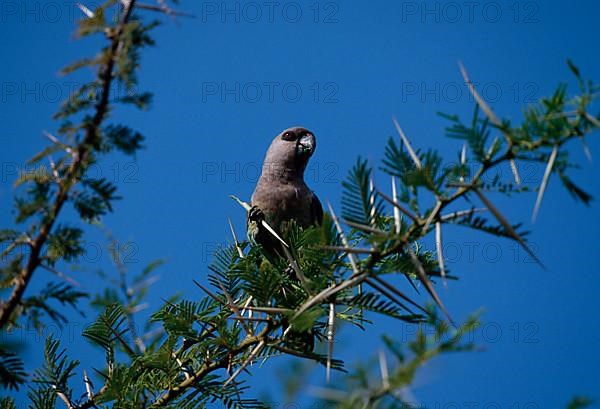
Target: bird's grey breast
[283,201]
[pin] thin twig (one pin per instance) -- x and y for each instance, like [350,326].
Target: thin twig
[270,310]
[210,366]
[371,281]
[299,273]
[434,213]
[397,292]
[127,293]
[210,293]
[461,213]
[250,319]
[233,307]
[60,275]
[592,119]
[165,9]
[363,227]
[427,283]
[252,355]
[79,159]
[397,205]
[329,291]
[507,225]
[349,250]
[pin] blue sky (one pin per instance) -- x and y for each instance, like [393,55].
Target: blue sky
[226,82]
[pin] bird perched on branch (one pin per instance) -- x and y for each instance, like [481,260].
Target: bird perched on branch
[280,197]
[281,194]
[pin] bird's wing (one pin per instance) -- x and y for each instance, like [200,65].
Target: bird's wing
[316,210]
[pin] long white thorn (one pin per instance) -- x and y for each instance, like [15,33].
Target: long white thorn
[463,159]
[246,305]
[53,168]
[491,116]
[274,233]
[515,171]
[397,216]
[593,119]
[406,142]
[462,213]
[330,339]
[235,239]
[383,367]
[340,231]
[586,150]
[89,13]
[63,397]
[491,148]
[88,385]
[351,256]
[372,201]
[55,140]
[440,252]
[263,223]
[544,184]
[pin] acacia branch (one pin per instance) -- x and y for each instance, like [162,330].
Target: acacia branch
[247,344]
[80,155]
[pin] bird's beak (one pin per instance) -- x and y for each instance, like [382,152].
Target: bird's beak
[306,145]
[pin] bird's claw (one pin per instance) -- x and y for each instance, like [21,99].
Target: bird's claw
[289,271]
[255,214]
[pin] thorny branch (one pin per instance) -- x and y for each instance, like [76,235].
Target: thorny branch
[72,176]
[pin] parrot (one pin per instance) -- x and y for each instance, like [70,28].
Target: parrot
[281,194]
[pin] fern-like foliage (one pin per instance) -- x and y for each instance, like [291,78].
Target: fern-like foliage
[360,204]
[255,307]
[12,369]
[36,306]
[108,329]
[52,379]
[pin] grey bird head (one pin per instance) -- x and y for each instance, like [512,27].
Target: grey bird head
[289,153]
[281,194]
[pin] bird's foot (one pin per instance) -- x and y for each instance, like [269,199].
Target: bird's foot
[289,271]
[255,214]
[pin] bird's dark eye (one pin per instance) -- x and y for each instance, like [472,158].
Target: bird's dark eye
[288,136]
